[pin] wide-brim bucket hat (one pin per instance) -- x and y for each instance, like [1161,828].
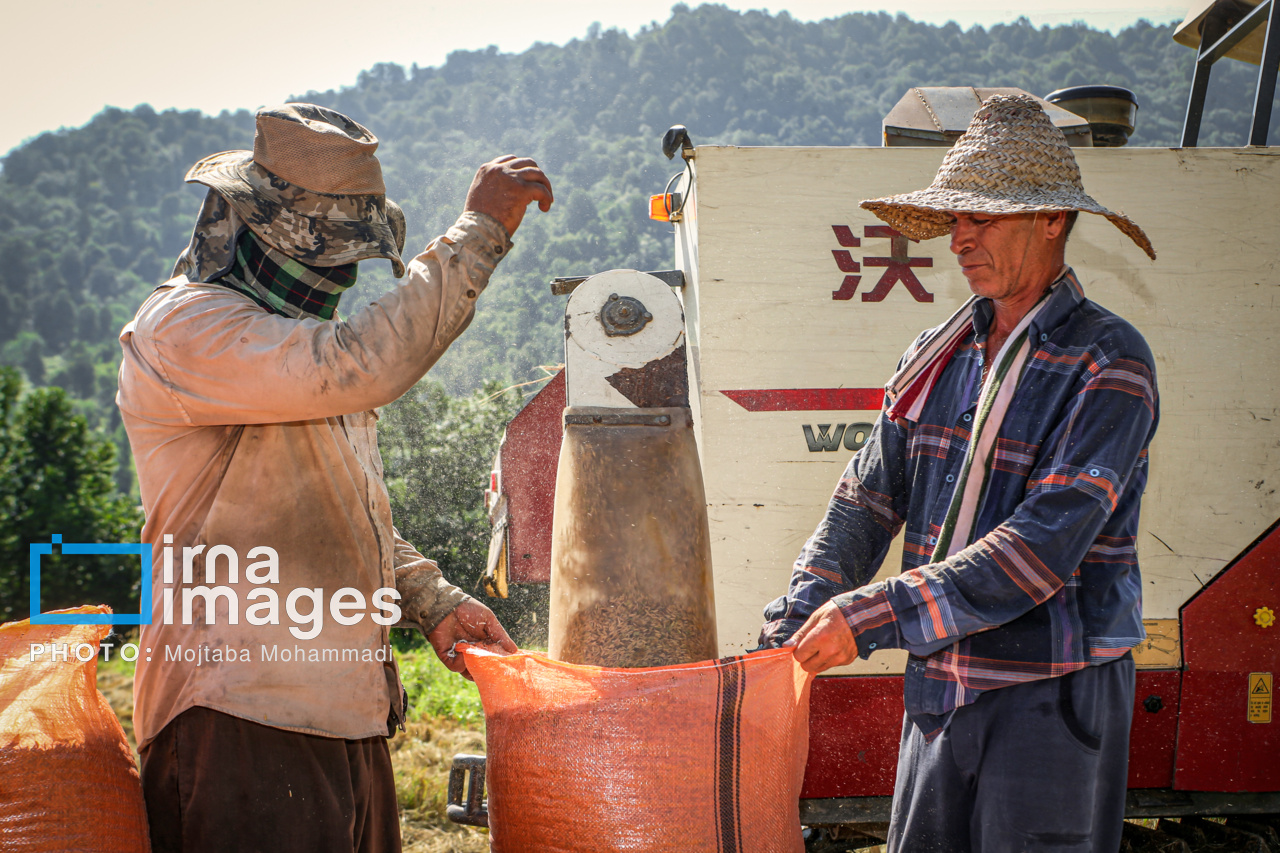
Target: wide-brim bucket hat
[311,188]
[1010,160]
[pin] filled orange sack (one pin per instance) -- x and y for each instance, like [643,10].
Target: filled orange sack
[67,776]
[702,756]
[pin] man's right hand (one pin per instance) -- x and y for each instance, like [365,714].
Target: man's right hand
[469,622]
[504,187]
[824,641]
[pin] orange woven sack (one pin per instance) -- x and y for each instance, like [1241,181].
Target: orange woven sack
[703,756]
[67,776]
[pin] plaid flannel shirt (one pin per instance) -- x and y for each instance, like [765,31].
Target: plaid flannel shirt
[1050,582]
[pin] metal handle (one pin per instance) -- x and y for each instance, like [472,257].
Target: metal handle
[475,811]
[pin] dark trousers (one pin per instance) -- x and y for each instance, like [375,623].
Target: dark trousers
[1040,766]
[214,782]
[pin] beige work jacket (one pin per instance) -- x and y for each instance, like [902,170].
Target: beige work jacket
[254,431]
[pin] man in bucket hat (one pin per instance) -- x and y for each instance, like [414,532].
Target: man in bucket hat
[1013,449]
[267,689]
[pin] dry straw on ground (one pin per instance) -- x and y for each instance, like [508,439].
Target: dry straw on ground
[421,756]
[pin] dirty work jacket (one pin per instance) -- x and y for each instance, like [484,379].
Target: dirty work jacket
[255,431]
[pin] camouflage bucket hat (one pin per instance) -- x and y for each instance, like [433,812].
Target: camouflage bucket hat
[310,188]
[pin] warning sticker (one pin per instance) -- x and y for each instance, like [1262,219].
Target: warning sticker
[1259,697]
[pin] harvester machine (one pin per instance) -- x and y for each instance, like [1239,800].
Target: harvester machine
[796,306]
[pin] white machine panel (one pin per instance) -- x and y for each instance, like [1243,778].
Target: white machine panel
[800,305]
[617,320]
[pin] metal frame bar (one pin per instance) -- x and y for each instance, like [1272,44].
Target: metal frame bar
[468,775]
[1215,41]
[1267,70]
[1139,803]
[1163,802]
[564,285]
[840,810]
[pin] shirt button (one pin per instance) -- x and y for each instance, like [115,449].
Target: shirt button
[950,478]
[1043,338]
[871,645]
[471,294]
[968,418]
[497,250]
[1094,472]
[933,540]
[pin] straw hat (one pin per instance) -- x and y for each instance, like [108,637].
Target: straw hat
[310,188]
[1010,160]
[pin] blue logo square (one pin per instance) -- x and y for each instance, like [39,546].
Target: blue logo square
[143,617]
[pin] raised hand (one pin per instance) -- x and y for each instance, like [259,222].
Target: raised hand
[504,187]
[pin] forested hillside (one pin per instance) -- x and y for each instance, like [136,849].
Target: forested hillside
[92,218]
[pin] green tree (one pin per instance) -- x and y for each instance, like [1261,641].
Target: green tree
[437,452]
[56,478]
[77,375]
[26,351]
[55,319]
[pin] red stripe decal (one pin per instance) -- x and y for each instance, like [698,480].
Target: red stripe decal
[809,399]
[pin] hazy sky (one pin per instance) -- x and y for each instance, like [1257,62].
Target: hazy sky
[64,60]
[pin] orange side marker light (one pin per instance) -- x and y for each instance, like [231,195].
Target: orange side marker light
[662,205]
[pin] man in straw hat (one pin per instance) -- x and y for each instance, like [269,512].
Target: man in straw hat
[268,689]
[1013,448]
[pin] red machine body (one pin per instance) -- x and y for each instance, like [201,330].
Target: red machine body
[1228,738]
[1191,726]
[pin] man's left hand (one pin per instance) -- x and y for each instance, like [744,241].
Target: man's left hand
[825,641]
[470,622]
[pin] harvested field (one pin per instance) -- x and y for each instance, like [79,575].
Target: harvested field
[421,756]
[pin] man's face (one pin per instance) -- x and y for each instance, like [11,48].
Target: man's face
[1001,256]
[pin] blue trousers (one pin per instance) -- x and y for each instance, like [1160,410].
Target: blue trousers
[1040,766]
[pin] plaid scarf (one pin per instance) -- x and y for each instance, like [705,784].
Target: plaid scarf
[283,285]
[908,389]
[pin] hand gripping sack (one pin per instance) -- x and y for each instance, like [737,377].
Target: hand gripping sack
[67,776]
[703,756]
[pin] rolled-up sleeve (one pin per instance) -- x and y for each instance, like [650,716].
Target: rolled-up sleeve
[426,597]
